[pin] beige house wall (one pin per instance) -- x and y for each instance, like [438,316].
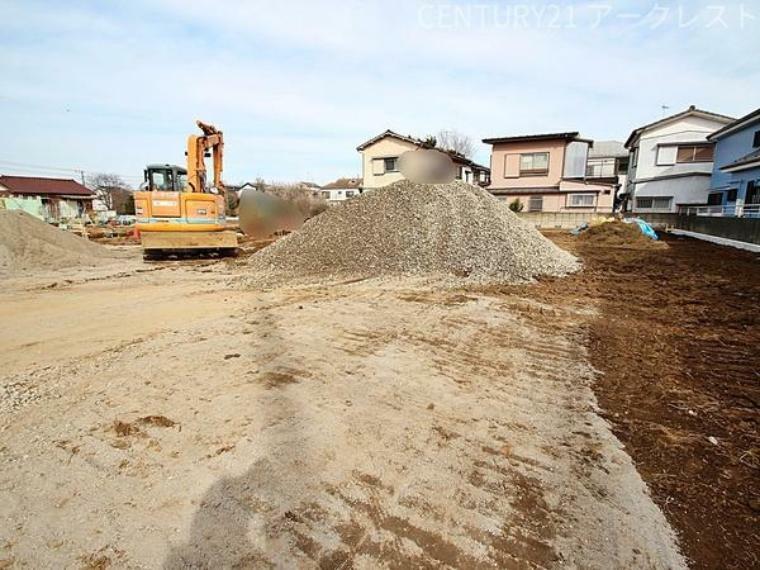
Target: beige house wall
[384,148]
[503,155]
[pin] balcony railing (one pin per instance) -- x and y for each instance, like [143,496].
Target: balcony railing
[730,211]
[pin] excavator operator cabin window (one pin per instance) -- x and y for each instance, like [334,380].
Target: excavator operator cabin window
[181,182]
[159,181]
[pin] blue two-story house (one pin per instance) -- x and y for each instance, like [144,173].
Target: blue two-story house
[735,182]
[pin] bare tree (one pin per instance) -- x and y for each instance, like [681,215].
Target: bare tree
[110,189]
[456,141]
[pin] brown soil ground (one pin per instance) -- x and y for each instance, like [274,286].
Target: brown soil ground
[164,416]
[676,341]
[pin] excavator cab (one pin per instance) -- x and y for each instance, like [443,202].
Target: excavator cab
[164,178]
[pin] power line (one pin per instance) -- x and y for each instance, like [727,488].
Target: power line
[39,166]
[21,167]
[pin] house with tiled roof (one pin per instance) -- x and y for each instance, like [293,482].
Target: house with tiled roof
[547,173]
[341,189]
[50,199]
[735,180]
[671,161]
[381,153]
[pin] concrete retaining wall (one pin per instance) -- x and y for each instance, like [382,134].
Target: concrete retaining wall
[563,220]
[741,229]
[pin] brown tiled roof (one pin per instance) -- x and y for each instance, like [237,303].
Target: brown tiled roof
[344,183]
[47,186]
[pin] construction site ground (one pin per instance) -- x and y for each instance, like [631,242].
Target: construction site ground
[166,415]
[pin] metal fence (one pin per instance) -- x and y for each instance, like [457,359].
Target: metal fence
[730,211]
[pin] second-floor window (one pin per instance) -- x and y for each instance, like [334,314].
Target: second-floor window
[391,164]
[534,164]
[381,166]
[600,168]
[694,153]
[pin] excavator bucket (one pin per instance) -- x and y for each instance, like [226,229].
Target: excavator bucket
[263,215]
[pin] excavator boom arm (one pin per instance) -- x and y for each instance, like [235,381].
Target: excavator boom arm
[213,140]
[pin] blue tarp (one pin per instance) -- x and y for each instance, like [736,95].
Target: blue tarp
[645,228]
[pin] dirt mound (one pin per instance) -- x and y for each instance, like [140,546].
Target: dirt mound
[619,234]
[454,230]
[27,243]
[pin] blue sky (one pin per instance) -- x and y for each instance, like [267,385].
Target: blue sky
[296,86]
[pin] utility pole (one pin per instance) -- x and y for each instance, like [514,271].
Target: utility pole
[665,109]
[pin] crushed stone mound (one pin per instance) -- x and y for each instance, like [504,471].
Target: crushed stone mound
[446,230]
[27,243]
[619,234]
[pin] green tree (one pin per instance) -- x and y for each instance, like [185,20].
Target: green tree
[516,206]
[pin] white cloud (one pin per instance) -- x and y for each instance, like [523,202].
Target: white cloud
[297,85]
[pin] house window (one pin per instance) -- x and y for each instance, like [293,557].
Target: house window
[752,195]
[756,139]
[350,193]
[653,203]
[391,164]
[535,203]
[600,168]
[635,156]
[534,164]
[326,195]
[715,198]
[580,200]
[731,195]
[666,155]
[695,153]
[459,173]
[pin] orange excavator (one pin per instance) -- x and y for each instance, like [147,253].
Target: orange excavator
[177,212]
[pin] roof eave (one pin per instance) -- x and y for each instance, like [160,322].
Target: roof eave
[741,122]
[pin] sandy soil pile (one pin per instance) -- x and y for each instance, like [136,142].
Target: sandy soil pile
[453,230]
[619,234]
[27,243]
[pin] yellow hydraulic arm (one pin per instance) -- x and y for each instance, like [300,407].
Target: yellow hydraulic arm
[197,145]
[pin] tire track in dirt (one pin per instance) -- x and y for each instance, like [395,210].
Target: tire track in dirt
[354,427]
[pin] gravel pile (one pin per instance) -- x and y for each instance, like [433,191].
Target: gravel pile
[27,243]
[456,231]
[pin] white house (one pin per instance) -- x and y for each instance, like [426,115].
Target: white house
[671,161]
[341,189]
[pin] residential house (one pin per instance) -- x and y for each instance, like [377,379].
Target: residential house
[341,189]
[547,173]
[735,182]
[671,161]
[50,199]
[380,161]
[608,164]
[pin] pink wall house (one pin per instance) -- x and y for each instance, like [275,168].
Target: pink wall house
[547,173]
